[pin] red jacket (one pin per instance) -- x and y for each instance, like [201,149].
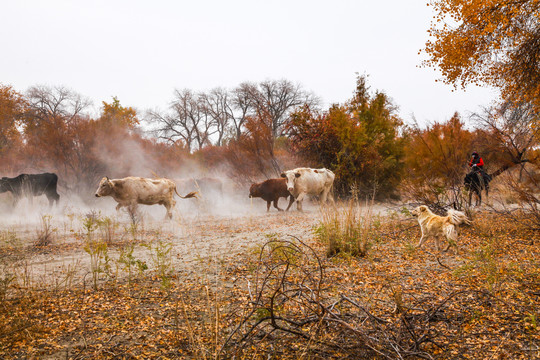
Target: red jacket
[479,162]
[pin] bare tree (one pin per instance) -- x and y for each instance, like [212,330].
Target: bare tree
[195,118]
[275,99]
[47,103]
[509,132]
[241,106]
[216,105]
[188,121]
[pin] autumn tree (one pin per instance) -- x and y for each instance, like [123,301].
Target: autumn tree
[436,159]
[492,42]
[48,127]
[359,141]
[12,109]
[116,114]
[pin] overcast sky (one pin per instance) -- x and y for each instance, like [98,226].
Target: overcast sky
[140,51]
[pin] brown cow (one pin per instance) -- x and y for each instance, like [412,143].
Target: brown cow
[271,190]
[131,191]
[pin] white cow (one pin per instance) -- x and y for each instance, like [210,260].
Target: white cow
[131,191]
[307,181]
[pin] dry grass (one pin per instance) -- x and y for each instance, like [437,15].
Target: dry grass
[46,233]
[287,299]
[350,230]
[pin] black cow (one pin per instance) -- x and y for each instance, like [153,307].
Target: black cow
[31,185]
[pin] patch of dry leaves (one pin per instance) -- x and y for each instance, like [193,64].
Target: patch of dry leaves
[478,301]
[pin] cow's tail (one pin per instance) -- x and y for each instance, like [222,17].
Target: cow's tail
[192,194]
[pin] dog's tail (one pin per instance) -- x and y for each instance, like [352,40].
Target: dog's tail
[458,217]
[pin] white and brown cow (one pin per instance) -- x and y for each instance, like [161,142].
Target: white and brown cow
[307,181]
[131,191]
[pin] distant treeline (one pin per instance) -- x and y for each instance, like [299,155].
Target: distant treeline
[252,132]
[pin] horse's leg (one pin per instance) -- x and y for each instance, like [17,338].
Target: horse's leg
[479,197]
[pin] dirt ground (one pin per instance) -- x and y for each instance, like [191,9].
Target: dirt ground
[480,298]
[200,233]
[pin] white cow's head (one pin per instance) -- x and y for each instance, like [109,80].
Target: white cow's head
[105,187]
[291,177]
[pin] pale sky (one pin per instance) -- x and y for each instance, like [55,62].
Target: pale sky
[140,51]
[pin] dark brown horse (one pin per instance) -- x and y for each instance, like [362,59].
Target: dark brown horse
[475,182]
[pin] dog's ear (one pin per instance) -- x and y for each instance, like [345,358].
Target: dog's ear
[423,208]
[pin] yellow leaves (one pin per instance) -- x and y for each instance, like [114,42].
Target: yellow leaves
[119,114]
[495,34]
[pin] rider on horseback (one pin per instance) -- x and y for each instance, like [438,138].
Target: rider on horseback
[477,180]
[477,164]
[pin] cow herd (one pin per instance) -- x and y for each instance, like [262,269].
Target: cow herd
[130,191]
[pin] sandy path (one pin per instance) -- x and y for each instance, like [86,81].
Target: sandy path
[197,240]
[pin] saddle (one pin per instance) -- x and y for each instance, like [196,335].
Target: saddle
[485,177]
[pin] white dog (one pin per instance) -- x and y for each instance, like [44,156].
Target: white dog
[439,226]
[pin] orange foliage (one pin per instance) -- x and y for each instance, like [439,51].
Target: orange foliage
[436,159]
[359,141]
[439,153]
[491,42]
[12,107]
[115,112]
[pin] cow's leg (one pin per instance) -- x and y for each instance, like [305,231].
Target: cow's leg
[324,196]
[52,198]
[327,196]
[299,201]
[291,201]
[268,203]
[168,206]
[276,204]
[119,206]
[331,197]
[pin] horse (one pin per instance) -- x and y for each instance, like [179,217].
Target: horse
[475,182]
